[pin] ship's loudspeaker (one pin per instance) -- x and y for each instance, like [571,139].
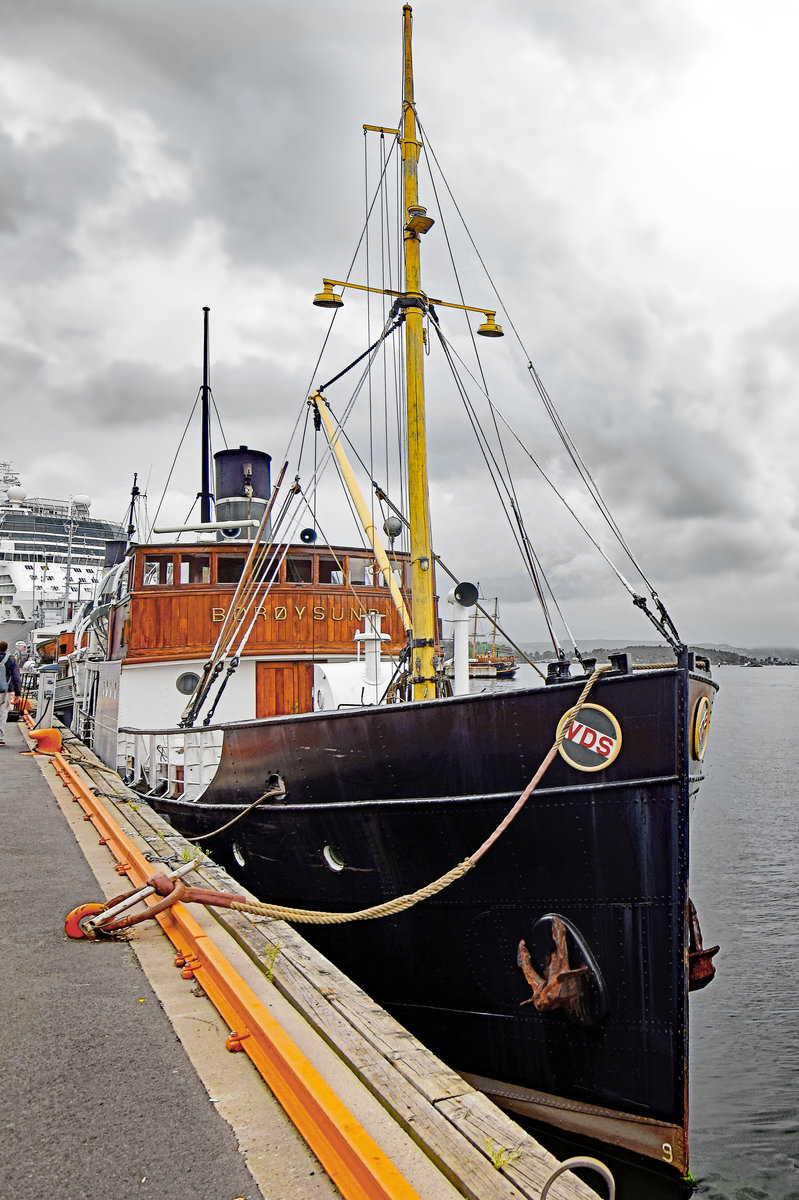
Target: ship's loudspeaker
[466,595]
[308,536]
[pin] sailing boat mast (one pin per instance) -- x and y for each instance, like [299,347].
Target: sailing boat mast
[424,620]
[205,486]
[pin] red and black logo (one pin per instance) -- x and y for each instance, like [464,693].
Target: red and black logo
[592,737]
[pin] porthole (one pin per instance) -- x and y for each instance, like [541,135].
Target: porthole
[187,682]
[238,854]
[333,859]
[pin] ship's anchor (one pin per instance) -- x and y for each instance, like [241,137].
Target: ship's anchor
[700,965]
[571,980]
[91,920]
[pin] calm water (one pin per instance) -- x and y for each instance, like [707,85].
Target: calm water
[744,1092]
[745,1025]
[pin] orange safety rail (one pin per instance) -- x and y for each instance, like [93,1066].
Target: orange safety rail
[352,1159]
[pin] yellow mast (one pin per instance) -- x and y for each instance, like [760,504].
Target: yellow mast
[414,303]
[424,616]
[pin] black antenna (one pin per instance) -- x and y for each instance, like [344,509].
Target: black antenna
[134,494]
[205,492]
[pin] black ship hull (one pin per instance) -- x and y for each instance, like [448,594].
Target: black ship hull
[383,801]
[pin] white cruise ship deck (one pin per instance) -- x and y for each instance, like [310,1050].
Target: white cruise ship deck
[52,553]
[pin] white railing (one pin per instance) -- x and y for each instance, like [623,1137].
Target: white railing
[170,763]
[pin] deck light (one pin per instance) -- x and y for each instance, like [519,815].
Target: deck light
[418,220]
[490,328]
[392,527]
[327,298]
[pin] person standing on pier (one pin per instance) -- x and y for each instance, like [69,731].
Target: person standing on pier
[9,682]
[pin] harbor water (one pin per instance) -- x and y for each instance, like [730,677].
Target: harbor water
[744,1027]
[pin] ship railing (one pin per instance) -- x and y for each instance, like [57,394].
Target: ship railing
[169,763]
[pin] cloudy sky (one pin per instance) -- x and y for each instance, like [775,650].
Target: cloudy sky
[628,171]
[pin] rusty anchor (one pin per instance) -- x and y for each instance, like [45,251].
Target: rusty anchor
[700,964]
[561,986]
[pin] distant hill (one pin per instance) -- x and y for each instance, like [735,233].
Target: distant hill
[776,652]
[643,652]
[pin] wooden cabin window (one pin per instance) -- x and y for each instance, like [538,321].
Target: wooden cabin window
[229,567]
[267,571]
[330,571]
[299,570]
[158,571]
[362,572]
[195,568]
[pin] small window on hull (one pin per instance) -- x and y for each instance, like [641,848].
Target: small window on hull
[187,682]
[333,859]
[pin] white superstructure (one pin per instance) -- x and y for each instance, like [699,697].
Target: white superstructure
[51,554]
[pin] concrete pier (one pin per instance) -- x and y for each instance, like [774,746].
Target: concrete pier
[99,1099]
[116,1081]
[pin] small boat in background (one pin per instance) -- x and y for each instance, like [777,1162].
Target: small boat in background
[487,664]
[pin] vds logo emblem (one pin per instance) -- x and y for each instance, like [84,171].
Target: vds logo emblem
[701,728]
[592,738]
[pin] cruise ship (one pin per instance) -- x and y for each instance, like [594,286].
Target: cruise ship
[51,554]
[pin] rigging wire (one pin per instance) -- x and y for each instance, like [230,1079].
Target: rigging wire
[525,449]
[347,277]
[172,468]
[534,566]
[499,481]
[251,579]
[218,417]
[663,625]
[571,449]
[355,596]
[369,279]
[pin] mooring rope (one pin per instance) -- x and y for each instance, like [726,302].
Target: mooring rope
[399,904]
[278,790]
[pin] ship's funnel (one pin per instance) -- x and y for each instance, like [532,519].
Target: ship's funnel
[243,488]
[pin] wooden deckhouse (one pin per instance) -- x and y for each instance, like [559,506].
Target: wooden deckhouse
[311,607]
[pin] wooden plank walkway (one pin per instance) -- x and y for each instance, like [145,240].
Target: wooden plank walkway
[456,1126]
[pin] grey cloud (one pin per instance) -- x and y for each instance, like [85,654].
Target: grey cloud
[13,187]
[45,190]
[160,226]
[52,180]
[19,365]
[254,108]
[679,473]
[233,108]
[125,394]
[616,31]
[80,168]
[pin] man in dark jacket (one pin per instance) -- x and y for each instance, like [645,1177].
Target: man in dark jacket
[9,683]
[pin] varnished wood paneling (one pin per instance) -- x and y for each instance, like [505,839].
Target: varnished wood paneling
[282,688]
[169,623]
